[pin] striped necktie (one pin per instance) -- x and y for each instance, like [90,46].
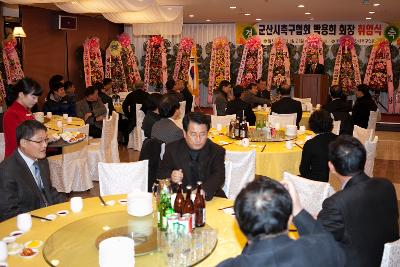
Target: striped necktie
[38,180]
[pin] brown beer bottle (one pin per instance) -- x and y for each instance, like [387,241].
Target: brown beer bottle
[188,205]
[179,200]
[199,207]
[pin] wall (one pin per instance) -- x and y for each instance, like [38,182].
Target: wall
[45,46]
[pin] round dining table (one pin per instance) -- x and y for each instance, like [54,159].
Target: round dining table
[88,224]
[52,127]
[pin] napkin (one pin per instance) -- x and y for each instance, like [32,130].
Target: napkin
[140,203]
[117,251]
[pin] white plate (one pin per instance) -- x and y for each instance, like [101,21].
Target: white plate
[33,244]
[50,217]
[36,251]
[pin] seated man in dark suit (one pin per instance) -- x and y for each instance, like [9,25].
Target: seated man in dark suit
[238,106]
[314,67]
[195,158]
[363,105]
[363,216]
[287,105]
[250,96]
[106,99]
[25,176]
[314,158]
[152,114]
[175,88]
[340,109]
[166,129]
[262,89]
[263,209]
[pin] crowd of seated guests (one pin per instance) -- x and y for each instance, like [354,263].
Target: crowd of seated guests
[221,96]
[238,107]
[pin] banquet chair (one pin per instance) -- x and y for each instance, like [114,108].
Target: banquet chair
[373,118]
[362,134]
[107,149]
[242,171]
[214,106]
[2,147]
[136,137]
[336,127]
[223,120]
[123,178]
[391,254]
[153,151]
[370,147]
[107,109]
[69,171]
[306,104]
[311,193]
[282,119]
[193,105]
[182,108]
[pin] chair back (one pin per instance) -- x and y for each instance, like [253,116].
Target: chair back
[336,127]
[282,119]
[373,118]
[242,171]
[182,108]
[214,106]
[123,178]
[223,120]
[306,104]
[107,109]
[362,134]
[311,193]
[370,147]
[136,137]
[109,142]
[391,254]
[2,147]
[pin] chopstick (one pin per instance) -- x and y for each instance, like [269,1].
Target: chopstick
[102,201]
[225,208]
[74,124]
[262,150]
[298,145]
[57,130]
[41,218]
[227,144]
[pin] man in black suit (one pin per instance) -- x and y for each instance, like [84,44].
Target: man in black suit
[262,210]
[314,67]
[187,95]
[250,96]
[175,88]
[262,89]
[106,99]
[238,106]
[287,105]
[340,109]
[25,176]
[363,216]
[363,105]
[314,158]
[195,158]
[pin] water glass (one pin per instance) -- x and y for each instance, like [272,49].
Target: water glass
[69,120]
[24,222]
[49,114]
[65,116]
[3,251]
[177,248]
[76,204]
[59,123]
[219,127]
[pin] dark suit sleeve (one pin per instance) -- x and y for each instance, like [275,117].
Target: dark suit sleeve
[217,178]
[9,206]
[305,160]
[126,104]
[332,219]
[251,117]
[299,113]
[306,224]
[166,165]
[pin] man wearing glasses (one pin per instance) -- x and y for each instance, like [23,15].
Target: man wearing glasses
[25,176]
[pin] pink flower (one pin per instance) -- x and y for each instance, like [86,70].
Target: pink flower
[124,40]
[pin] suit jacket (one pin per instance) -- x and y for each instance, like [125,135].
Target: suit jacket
[314,158]
[319,69]
[314,248]
[220,101]
[82,107]
[19,192]
[129,106]
[361,109]
[237,107]
[340,110]
[287,105]
[187,95]
[166,131]
[211,166]
[253,100]
[149,119]
[362,217]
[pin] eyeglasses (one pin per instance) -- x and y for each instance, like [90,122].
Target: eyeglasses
[44,141]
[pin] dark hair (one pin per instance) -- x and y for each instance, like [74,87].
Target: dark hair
[261,80]
[107,81]
[196,117]
[68,84]
[347,155]
[152,101]
[251,85]
[55,79]
[99,86]
[321,121]
[336,91]
[364,89]
[237,91]
[90,90]
[168,105]
[170,84]
[285,91]
[263,207]
[223,84]
[27,129]
[26,86]
[55,86]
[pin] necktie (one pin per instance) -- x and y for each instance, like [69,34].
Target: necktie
[38,180]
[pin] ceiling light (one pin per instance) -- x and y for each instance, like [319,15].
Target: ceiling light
[191,16]
[311,18]
[377,4]
[208,20]
[247,14]
[307,13]
[232,7]
[371,12]
[258,19]
[368,18]
[300,6]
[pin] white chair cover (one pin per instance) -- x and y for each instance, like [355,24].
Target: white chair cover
[391,254]
[306,104]
[123,95]
[214,106]
[123,178]
[336,127]
[136,137]
[311,193]
[373,118]
[223,120]
[370,147]
[243,171]
[193,104]
[107,109]
[182,108]
[107,149]
[228,176]
[362,134]
[2,147]
[282,119]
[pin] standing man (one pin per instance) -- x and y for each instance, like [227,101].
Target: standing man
[363,216]
[314,67]
[175,88]
[25,176]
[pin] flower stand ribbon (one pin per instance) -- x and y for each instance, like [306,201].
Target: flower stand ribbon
[346,71]
[115,68]
[220,65]
[2,90]
[129,61]
[12,65]
[279,64]
[312,45]
[155,66]
[250,69]
[92,62]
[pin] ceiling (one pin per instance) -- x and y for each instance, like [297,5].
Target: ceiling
[218,11]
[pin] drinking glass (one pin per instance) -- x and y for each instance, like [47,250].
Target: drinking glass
[49,114]
[24,222]
[3,251]
[76,204]
[65,116]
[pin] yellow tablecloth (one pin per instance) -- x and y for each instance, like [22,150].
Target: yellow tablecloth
[274,160]
[263,115]
[230,239]
[52,124]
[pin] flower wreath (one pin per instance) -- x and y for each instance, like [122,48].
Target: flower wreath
[279,64]
[346,71]
[11,61]
[92,62]
[115,68]
[312,45]
[155,66]
[250,69]
[220,64]
[129,61]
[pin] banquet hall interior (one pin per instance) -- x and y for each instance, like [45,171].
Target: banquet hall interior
[108,76]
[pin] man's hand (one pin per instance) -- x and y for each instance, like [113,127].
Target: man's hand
[87,115]
[295,197]
[177,176]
